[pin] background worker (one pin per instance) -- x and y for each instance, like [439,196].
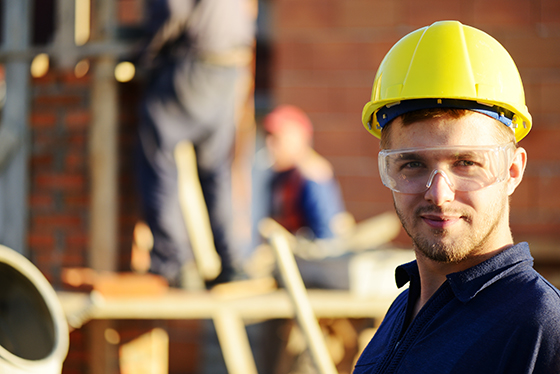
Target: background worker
[197,54]
[304,193]
[449,107]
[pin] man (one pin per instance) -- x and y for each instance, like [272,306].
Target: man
[197,53]
[304,192]
[449,107]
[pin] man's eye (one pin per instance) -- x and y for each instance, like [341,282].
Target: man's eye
[465,163]
[412,165]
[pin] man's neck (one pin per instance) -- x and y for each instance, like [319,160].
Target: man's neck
[433,274]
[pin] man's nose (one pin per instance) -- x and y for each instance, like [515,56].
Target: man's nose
[440,188]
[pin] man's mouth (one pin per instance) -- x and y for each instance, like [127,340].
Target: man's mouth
[440,221]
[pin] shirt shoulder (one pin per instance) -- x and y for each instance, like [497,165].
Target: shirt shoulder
[385,337]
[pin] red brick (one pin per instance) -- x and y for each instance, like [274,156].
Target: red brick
[354,166]
[359,188]
[75,256]
[337,121]
[46,79]
[58,220]
[78,119]
[69,78]
[532,51]
[548,198]
[58,100]
[503,12]
[367,13]
[292,55]
[41,201]
[550,92]
[549,11]
[77,201]
[524,196]
[77,240]
[43,119]
[42,161]
[542,144]
[60,181]
[77,139]
[40,241]
[532,224]
[129,12]
[423,13]
[312,99]
[344,55]
[295,14]
[347,143]
[532,95]
[75,160]
[41,139]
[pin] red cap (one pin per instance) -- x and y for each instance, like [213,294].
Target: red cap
[284,114]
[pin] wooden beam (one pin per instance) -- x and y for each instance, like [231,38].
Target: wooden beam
[234,342]
[103,176]
[103,167]
[304,312]
[177,304]
[195,213]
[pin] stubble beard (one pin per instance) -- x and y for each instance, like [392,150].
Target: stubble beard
[438,245]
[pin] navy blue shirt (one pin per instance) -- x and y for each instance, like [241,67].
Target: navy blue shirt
[499,316]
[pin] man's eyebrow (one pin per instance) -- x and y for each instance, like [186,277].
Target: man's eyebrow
[407,156]
[465,154]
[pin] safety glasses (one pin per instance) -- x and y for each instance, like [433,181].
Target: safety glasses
[464,168]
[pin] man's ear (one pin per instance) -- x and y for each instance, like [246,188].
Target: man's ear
[517,169]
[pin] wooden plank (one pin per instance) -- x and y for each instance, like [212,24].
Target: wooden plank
[234,342]
[195,213]
[147,354]
[177,304]
[304,312]
[103,161]
[103,164]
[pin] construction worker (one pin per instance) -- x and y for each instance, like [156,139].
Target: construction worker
[304,192]
[197,54]
[448,105]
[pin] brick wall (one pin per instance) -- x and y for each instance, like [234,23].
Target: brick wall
[59,199]
[326,53]
[59,193]
[59,196]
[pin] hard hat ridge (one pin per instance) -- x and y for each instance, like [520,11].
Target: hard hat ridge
[388,113]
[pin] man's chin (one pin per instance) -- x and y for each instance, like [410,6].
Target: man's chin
[442,251]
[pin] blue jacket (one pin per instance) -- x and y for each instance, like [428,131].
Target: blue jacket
[297,201]
[500,316]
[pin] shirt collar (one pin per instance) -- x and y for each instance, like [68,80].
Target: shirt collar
[407,273]
[466,284]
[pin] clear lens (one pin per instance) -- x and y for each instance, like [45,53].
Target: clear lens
[464,168]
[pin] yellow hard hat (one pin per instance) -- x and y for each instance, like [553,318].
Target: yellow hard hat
[452,65]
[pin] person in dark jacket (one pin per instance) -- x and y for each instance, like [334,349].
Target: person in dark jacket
[198,53]
[449,107]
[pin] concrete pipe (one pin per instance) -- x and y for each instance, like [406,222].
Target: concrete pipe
[34,333]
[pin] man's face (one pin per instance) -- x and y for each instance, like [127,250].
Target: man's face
[288,145]
[447,225]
